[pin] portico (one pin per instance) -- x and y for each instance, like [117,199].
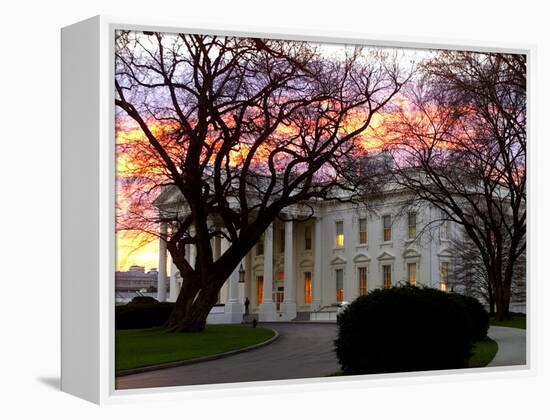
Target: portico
[278,276]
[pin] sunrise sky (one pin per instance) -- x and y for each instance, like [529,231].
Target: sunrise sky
[133,176]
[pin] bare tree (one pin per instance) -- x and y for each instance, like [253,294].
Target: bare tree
[242,129]
[460,144]
[471,278]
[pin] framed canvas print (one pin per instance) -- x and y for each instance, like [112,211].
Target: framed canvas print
[253,209]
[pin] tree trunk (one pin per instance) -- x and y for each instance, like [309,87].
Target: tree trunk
[192,306]
[191,310]
[502,302]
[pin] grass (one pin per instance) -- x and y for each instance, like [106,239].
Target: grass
[153,346]
[483,352]
[517,321]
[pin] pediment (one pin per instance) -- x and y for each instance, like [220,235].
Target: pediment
[361,257]
[338,260]
[306,263]
[411,253]
[384,256]
[169,195]
[445,252]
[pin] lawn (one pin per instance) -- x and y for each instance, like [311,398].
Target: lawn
[153,346]
[483,352]
[517,321]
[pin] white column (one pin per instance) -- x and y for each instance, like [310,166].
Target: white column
[234,286]
[267,307]
[289,303]
[161,279]
[234,310]
[224,292]
[317,269]
[174,284]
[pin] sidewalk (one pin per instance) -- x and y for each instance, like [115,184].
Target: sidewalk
[511,346]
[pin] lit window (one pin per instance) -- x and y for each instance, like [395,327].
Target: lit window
[280,276]
[411,274]
[307,238]
[307,287]
[386,270]
[444,276]
[260,289]
[339,285]
[362,274]
[340,234]
[386,220]
[412,225]
[362,231]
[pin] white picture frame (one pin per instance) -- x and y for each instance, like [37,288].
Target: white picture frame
[88,215]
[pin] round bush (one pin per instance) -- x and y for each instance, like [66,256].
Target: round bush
[142,315]
[479,316]
[143,299]
[403,329]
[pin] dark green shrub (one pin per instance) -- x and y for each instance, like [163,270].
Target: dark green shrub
[478,315]
[142,315]
[143,299]
[403,329]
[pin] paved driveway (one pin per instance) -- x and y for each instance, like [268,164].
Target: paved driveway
[301,351]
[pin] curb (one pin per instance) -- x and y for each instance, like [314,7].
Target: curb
[144,369]
[292,322]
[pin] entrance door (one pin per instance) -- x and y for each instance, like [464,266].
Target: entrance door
[279,296]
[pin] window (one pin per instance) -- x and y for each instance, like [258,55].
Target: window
[444,276]
[307,287]
[362,274]
[411,274]
[339,285]
[260,289]
[363,231]
[280,276]
[386,270]
[340,234]
[412,225]
[386,220]
[281,241]
[307,238]
[260,247]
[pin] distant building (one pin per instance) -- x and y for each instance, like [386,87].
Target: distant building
[136,279]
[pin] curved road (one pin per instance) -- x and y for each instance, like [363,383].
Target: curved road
[301,351]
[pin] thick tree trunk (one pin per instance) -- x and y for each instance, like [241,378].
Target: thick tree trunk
[502,302]
[191,310]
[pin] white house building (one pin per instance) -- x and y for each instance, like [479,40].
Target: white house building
[303,270]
